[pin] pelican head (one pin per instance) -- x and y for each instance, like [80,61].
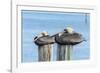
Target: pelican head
[69,30]
[44,33]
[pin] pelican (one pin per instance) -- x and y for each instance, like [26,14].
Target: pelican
[66,40]
[69,37]
[44,41]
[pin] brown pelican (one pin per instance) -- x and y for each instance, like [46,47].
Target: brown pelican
[44,41]
[66,40]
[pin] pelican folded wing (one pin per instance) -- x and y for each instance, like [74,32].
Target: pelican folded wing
[69,39]
[44,40]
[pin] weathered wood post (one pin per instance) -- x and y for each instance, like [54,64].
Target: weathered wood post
[64,52]
[68,53]
[61,49]
[44,53]
[44,42]
[66,40]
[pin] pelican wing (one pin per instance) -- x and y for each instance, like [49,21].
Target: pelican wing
[44,40]
[69,39]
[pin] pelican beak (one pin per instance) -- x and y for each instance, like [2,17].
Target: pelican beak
[34,39]
[40,35]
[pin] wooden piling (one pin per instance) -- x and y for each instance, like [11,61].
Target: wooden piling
[44,53]
[68,53]
[61,52]
[64,52]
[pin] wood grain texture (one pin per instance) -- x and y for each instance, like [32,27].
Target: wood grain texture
[44,53]
[64,52]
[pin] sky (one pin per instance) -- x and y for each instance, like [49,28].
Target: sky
[34,22]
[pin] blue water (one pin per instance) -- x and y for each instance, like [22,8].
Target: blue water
[34,22]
